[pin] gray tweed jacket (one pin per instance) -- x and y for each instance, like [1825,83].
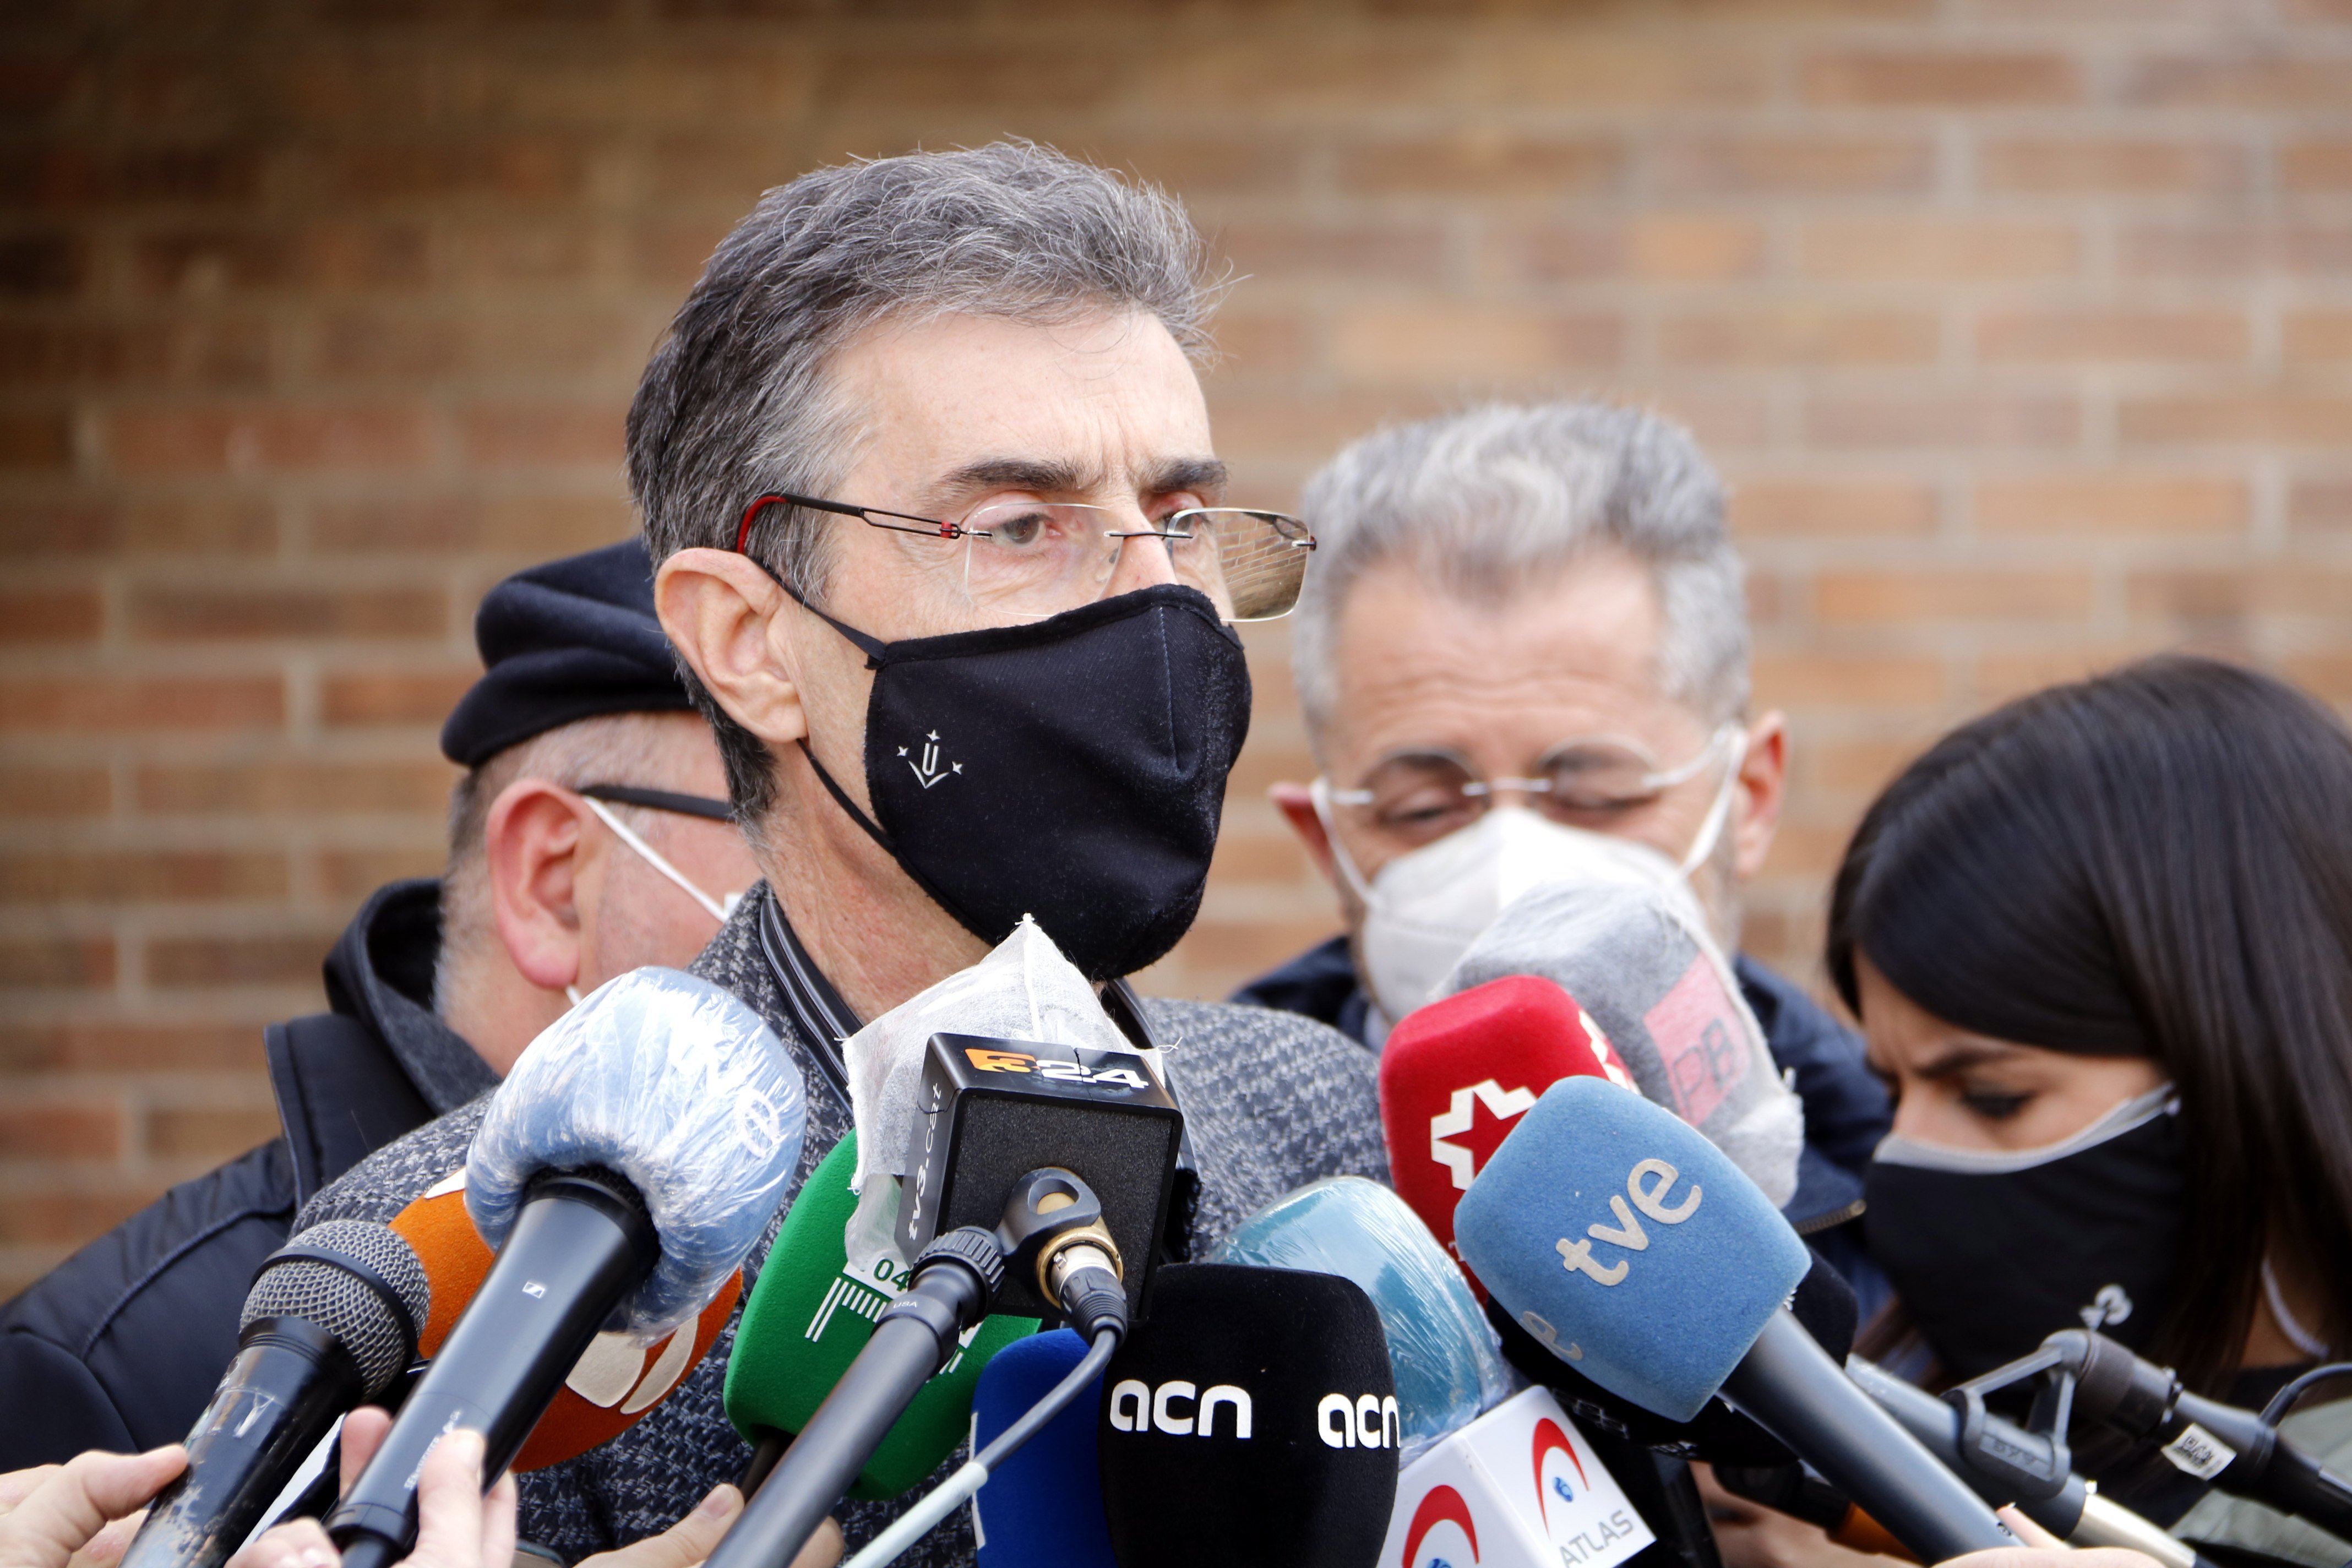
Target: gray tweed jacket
[1273,1100]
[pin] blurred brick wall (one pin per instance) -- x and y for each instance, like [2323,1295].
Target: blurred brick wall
[2023,326]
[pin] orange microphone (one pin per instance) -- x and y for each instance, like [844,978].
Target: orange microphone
[611,1386]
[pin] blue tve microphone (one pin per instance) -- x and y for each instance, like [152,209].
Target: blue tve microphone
[1632,1249]
[1043,1507]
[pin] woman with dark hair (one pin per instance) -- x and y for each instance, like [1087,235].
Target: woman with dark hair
[2100,942]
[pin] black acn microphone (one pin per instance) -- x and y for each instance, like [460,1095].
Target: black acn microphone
[1251,1424]
[331,1322]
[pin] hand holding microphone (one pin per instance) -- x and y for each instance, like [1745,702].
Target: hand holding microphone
[51,1515]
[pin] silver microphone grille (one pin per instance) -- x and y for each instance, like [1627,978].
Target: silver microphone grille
[341,1301]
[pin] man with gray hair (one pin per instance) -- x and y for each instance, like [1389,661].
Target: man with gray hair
[942,547]
[1522,650]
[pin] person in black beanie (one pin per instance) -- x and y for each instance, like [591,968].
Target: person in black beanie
[589,835]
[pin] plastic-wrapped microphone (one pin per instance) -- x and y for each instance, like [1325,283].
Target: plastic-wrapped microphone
[1456,1074]
[1440,1348]
[331,1320]
[1633,1248]
[622,1169]
[1252,1423]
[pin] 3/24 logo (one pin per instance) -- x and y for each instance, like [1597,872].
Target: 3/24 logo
[1117,1077]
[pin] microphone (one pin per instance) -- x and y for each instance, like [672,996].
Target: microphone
[1252,1423]
[1519,1488]
[1634,1249]
[1439,1348]
[1457,1074]
[630,1159]
[2239,1451]
[615,1381]
[814,1309]
[1637,961]
[331,1322]
[1043,1507]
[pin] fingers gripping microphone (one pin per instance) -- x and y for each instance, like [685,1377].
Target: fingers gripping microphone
[1252,1423]
[1634,1249]
[331,1322]
[1456,1074]
[623,1168]
[616,1380]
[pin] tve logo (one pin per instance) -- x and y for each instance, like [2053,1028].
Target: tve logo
[1648,1184]
[1179,1408]
[1519,1488]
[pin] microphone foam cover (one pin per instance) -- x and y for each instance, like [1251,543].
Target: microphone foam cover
[1043,1507]
[1456,1074]
[813,1310]
[1251,1423]
[680,1088]
[615,1381]
[1443,1357]
[342,1302]
[1652,977]
[1629,1245]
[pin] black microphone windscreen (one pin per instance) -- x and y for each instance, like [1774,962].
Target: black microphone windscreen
[1252,1421]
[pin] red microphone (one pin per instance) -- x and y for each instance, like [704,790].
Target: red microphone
[1456,1074]
[614,1384]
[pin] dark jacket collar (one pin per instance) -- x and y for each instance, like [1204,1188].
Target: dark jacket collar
[380,973]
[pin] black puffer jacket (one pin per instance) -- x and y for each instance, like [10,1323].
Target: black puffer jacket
[121,1346]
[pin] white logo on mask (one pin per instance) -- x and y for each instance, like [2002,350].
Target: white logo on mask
[930,768]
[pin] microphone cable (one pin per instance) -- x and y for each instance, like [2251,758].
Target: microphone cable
[944,1499]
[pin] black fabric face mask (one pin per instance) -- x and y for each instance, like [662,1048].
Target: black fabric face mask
[1992,1253]
[1072,769]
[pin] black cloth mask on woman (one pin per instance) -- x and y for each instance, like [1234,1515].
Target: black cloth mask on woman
[1072,769]
[1991,1253]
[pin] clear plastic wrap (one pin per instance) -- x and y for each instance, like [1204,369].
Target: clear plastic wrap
[1448,1366]
[679,1087]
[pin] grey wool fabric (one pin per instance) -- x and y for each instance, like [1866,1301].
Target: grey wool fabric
[1273,1101]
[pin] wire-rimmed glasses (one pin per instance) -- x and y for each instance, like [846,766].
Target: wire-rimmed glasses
[1035,559]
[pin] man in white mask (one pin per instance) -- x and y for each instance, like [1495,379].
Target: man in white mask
[1522,658]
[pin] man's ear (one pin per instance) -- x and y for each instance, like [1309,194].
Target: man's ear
[1763,786]
[719,609]
[1296,804]
[533,840]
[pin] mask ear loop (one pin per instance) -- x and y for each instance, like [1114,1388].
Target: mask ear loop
[1711,830]
[653,857]
[1320,792]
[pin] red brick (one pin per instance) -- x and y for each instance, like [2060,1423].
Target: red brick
[2105,165]
[353,874]
[1962,420]
[2086,333]
[1694,246]
[57,963]
[114,1048]
[1475,165]
[219,353]
[1400,253]
[392,698]
[74,177]
[208,1134]
[1797,164]
[36,440]
[518,169]
[1196,163]
[2316,166]
[2321,505]
[39,266]
[268,439]
[55,791]
[1392,342]
[1832,508]
[206,261]
[1818,681]
[2326,676]
[322,788]
[59,614]
[1798,334]
[1938,248]
[2318,336]
[2268,83]
[1999,676]
[2290,418]
[63,1132]
[1941,78]
[531,436]
[203,961]
[1951,594]
[2207,593]
[101,705]
[2232,249]
[124,875]
[1860,768]
[1260,343]
[1593,70]
[217,615]
[2118,504]
[534,523]
[30,1217]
